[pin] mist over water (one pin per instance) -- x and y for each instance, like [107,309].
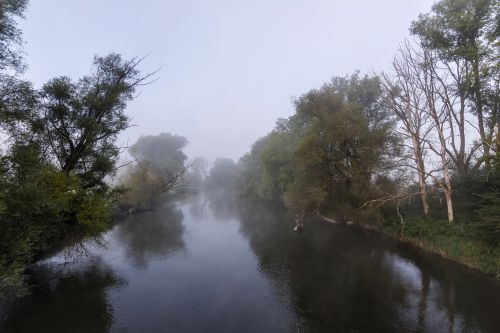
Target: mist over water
[210,264]
[250,166]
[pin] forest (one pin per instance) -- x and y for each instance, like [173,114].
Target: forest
[413,151]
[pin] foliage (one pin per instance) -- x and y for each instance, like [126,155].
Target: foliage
[277,171]
[60,147]
[250,171]
[342,153]
[488,216]
[331,152]
[454,241]
[459,28]
[465,34]
[162,153]
[10,35]
[42,207]
[222,175]
[159,169]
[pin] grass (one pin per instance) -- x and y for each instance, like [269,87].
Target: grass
[453,241]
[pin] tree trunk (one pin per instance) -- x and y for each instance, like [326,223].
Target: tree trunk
[449,205]
[447,187]
[480,117]
[421,176]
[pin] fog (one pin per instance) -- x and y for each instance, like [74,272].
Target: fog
[228,68]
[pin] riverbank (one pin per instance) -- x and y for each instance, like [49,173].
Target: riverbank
[439,237]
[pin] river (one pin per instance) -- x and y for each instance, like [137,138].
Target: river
[210,265]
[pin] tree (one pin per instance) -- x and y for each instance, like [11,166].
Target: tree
[60,147]
[421,77]
[401,94]
[345,145]
[78,123]
[222,175]
[467,31]
[10,35]
[42,207]
[439,116]
[159,169]
[250,171]
[17,97]
[277,163]
[197,173]
[163,153]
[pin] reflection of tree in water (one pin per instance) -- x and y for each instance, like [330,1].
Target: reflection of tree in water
[151,234]
[340,279]
[468,300]
[197,205]
[222,203]
[67,301]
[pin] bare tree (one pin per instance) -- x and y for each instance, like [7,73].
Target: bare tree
[431,109]
[425,63]
[403,96]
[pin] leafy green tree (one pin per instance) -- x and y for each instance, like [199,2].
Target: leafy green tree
[466,32]
[10,35]
[222,175]
[348,144]
[42,207]
[79,122]
[61,146]
[163,153]
[250,171]
[159,170]
[277,165]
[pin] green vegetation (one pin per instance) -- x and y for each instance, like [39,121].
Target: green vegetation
[160,169]
[414,151]
[222,175]
[60,145]
[450,241]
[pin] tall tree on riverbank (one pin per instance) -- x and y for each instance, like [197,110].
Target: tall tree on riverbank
[349,145]
[401,95]
[465,33]
[332,154]
[79,122]
[76,124]
[60,144]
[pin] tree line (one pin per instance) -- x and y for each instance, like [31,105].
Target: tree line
[420,140]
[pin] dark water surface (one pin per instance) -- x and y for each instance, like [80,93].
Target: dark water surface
[207,266]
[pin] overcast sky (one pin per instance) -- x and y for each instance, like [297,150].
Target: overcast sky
[229,68]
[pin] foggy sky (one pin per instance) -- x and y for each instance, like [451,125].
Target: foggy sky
[229,68]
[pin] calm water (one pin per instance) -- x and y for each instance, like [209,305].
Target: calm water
[207,266]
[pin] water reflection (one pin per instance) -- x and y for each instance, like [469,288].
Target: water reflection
[222,203]
[66,300]
[180,269]
[151,234]
[342,279]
